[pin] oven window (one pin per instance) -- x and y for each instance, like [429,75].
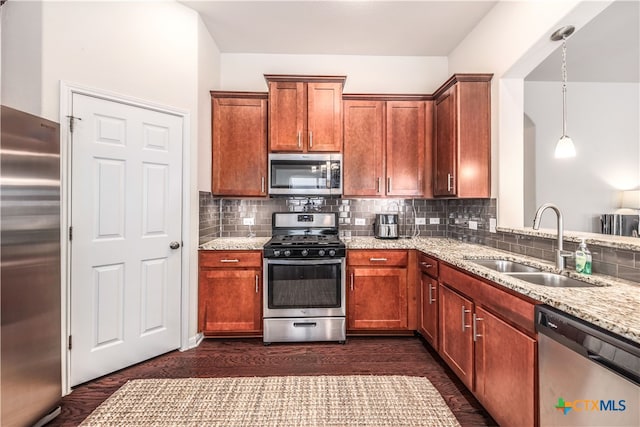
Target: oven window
[304,286]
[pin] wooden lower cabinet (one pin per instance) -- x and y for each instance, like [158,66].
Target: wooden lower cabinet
[456,341]
[505,360]
[230,293]
[377,291]
[428,321]
[487,337]
[427,276]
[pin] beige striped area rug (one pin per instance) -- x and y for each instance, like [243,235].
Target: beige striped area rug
[276,401]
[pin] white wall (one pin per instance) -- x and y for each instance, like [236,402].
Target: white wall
[158,52]
[603,123]
[208,79]
[511,40]
[21,84]
[365,74]
[146,50]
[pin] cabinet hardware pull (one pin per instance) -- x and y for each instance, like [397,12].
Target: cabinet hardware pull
[463,313]
[299,142]
[379,179]
[389,185]
[257,280]
[352,281]
[449,182]
[229,260]
[262,184]
[427,265]
[378,259]
[310,139]
[475,327]
[431,301]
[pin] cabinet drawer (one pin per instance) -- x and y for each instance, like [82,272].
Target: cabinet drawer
[230,259]
[428,265]
[377,258]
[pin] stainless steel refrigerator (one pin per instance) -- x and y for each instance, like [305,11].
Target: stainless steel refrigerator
[30,342]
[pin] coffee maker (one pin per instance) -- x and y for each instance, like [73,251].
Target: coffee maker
[386,226]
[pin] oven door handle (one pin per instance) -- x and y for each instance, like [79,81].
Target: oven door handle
[304,324]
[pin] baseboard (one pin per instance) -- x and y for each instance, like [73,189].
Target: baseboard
[193,342]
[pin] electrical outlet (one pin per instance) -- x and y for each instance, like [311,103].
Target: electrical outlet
[360,221]
[492,225]
[473,225]
[434,221]
[421,221]
[248,221]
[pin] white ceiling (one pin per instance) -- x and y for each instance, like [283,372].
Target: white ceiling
[606,49]
[397,28]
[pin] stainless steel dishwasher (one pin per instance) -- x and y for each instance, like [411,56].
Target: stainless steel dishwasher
[588,376]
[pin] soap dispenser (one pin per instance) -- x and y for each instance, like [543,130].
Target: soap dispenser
[583,258]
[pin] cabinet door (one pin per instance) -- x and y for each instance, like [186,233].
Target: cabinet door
[230,301]
[287,115]
[324,117]
[428,321]
[445,145]
[456,341]
[377,298]
[239,146]
[363,152]
[405,143]
[505,376]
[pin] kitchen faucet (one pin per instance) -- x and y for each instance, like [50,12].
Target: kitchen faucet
[560,254]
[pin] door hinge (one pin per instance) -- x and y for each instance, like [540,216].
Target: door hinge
[69,342]
[71,121]
[70,233]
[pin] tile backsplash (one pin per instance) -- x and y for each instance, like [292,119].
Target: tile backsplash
[443,218]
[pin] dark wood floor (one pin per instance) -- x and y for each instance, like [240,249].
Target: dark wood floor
[249,357]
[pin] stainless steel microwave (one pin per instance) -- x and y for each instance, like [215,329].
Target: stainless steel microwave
[305,174]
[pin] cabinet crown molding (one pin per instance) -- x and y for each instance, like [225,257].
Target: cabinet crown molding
[304,78]
[457,78]
[236,94]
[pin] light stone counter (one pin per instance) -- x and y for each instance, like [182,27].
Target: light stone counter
[235,244]
[613,305]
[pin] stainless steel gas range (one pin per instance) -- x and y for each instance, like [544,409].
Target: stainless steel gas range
[304,269]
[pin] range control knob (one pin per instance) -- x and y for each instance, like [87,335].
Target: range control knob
[304,252]
[332,252]
[276,252]
[287,253]
[321,252]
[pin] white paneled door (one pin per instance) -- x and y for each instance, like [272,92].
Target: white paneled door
[126,198]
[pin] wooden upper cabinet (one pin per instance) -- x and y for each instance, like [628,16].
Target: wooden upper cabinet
[239,143]
[305,113]
[363,152]
[462,137]
[405,132]
[387,144]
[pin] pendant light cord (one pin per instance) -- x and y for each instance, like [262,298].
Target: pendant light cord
[564,86]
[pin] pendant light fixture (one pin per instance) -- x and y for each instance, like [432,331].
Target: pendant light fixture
[565,147]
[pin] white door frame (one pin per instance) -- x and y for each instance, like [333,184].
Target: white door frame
[67,90]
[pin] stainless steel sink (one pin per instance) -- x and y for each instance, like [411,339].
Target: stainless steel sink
[551,279]
[504,266]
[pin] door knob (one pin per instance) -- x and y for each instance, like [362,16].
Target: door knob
[174,245]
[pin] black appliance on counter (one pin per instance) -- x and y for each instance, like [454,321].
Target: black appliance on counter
[304,271]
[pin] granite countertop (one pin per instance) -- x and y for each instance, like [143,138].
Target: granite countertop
[613,305]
